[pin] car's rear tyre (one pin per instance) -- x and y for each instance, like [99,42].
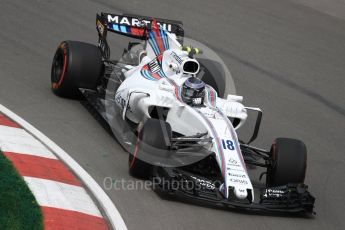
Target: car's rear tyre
[289,162]
[75,65]
[151,140]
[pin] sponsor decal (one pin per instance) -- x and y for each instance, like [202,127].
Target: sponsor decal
[208,113]
[152,70]
[237,170]
[233,161]
[197,101]
[120,100]
[205,183]
[125,20]
[237,175]
[276,193]
[154,66]
[129,21]
[239,181]
[176,57]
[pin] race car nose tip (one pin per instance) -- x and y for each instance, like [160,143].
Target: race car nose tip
[241,193]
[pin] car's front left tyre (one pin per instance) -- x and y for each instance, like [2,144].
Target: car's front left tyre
[151,141]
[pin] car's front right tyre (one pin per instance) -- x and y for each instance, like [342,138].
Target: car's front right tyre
[288,162]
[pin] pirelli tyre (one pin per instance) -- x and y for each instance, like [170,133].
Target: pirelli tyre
[289,162]
[152,140]
[75,65]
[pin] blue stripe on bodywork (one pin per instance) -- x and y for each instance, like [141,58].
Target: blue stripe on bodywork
[153,43]
[153,47]
[116,27]
[161,73]
[147,76]
[123,29]
[164,38]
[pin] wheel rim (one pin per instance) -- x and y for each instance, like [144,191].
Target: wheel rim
[59,67]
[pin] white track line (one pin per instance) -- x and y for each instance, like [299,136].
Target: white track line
[107,205]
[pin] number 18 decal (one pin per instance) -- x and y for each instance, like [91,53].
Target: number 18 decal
[228,144]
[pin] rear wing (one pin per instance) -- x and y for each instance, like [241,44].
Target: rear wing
[134,26]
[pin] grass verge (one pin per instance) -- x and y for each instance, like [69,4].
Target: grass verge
[18,207]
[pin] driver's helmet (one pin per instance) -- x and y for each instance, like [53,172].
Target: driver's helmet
[193,91]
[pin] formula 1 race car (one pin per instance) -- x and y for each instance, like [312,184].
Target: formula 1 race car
[168,106]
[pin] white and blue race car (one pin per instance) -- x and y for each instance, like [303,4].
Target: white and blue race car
[167,105]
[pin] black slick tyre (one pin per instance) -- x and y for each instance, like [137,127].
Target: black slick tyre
[151,140]
[75,65]
[289,162]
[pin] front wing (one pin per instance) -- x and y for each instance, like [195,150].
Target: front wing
[291,198]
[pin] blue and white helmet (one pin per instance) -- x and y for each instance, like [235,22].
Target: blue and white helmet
[193,91]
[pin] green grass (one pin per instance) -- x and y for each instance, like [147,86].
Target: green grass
[18,207]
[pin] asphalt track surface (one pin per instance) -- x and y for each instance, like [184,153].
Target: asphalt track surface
[284,57]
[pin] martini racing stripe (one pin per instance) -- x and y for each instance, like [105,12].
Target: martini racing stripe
[153,70]
[153,43]
[161,73]
[116,27]
[152,76]
[128,30]
[164,38]
[149,75]
[145,74]
[123,29]
[158,38]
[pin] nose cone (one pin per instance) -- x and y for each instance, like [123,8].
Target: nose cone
[241,193]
